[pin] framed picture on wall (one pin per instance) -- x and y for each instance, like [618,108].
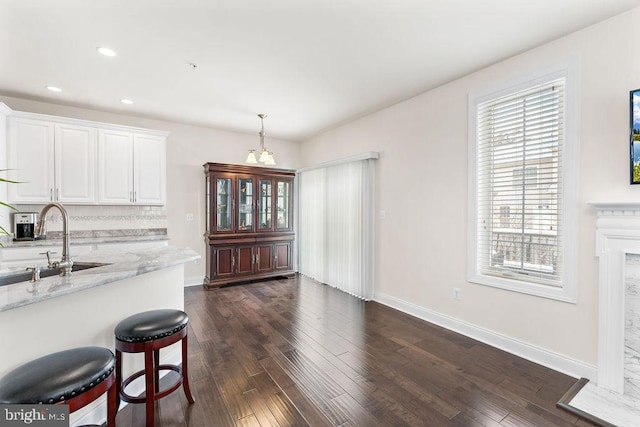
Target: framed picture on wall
[634,134]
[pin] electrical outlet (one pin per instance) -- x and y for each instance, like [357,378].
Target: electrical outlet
[456,293]
[189,217]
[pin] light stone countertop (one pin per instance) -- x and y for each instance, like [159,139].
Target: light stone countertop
[85,241]
[120,265]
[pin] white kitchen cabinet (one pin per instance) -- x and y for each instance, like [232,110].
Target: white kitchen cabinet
[149,175]
[115,182]
[52,162]
[30,157]
[131,168]
[81,162]
[75,163]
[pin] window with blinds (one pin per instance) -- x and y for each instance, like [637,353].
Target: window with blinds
[518,202]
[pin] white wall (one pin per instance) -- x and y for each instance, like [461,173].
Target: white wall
[188,148]
[422,186]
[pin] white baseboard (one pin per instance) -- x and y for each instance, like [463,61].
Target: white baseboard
[193,281]
[539,355]
[98,415]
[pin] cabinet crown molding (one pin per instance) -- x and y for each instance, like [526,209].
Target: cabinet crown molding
[82,122]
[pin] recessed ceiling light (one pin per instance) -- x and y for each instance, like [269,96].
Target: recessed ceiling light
[106,51]
[54,89]
[126,101]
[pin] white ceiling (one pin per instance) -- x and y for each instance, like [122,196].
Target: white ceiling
[308,64]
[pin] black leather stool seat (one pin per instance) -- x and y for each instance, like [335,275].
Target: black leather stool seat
[151,325]
[57,377]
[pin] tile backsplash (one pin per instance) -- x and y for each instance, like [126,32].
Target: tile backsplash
[93,218]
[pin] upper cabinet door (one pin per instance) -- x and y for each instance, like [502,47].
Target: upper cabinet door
[75,164]
[283,205]
[246,202]
[149,170]
[31,161]
[115,182]
[265,204]
[223,204]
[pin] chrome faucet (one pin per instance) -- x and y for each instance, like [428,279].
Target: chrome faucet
[65,264]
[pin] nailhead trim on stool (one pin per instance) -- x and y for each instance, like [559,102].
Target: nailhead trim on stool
[147,333]
[151,325]
[75,377]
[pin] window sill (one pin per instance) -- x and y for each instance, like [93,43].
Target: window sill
[560,293]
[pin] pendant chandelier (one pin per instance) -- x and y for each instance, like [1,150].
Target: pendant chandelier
[264,156]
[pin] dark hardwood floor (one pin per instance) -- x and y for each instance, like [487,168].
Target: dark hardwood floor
[297,353]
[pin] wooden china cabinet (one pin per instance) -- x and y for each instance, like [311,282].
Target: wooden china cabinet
[249,216]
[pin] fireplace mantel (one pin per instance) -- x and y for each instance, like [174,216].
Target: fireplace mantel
[617,234]
[616,208]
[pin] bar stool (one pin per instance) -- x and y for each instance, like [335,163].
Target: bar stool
[74,377]
[147,333]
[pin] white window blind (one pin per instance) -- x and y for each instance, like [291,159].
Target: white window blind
[520,139]
[335,231]
[522,183]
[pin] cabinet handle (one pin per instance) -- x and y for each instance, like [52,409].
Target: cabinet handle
[233,261]
[135,197]
[51,194]
[57,194]
[131,196]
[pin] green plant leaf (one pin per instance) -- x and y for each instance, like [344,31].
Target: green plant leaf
[8,206]
[9,181]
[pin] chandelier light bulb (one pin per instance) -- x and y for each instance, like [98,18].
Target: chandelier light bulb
[270,160]
[251,158]
[265,156]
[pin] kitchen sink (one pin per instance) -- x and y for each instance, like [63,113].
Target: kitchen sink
[25,276]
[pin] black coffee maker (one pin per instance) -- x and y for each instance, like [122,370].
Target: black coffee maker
[24,225]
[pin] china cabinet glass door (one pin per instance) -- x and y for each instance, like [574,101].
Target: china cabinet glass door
[208,217]
[282,204]
[264,204]
[245,204]
[223,204]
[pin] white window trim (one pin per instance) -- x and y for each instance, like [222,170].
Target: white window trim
[569,69]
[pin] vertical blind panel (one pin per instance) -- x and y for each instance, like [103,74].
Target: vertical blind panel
[311,234]
[343,248]
[333,232]
[520,140]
